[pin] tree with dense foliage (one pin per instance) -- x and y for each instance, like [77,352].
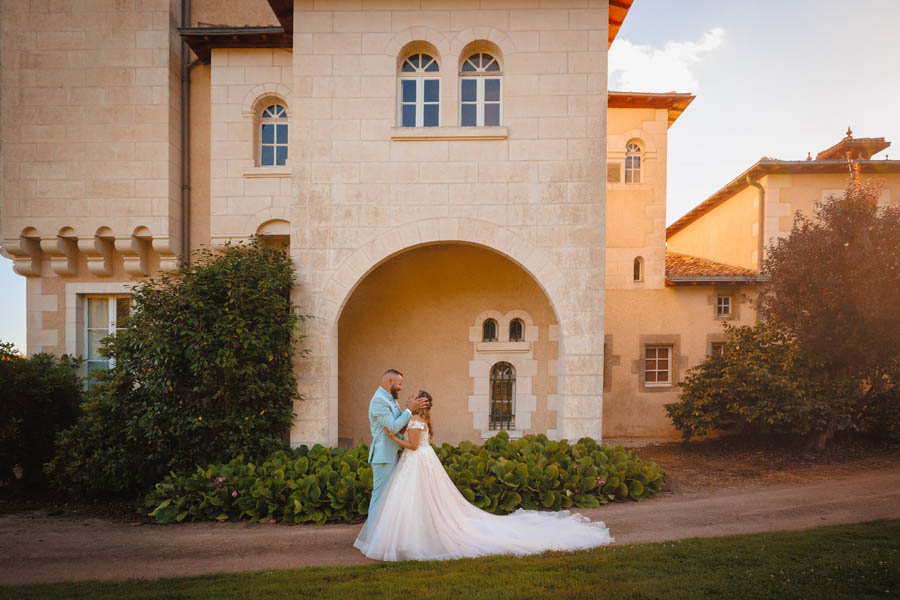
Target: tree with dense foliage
[202,373]
[827,356]
[40,397]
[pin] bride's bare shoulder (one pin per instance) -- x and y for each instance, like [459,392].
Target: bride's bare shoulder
[416,423]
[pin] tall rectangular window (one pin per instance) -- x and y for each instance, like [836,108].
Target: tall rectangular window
[420,102]
[480,101]
[105,316]
[657,365]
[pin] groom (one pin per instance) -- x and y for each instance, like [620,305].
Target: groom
[385,412]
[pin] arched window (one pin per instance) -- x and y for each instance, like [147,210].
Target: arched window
[638,268]
[273,136]
[480,91]
[489,331]
[632,163]
[516,330]
[420,91]
[503,396]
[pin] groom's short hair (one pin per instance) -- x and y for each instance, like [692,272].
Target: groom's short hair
[393,372]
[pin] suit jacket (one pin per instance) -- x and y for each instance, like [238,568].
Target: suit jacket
[385,412]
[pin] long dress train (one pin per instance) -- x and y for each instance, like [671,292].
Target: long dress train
[422,516]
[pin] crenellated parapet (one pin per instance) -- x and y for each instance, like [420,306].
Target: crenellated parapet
[100,252]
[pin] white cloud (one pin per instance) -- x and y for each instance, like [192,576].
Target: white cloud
[643,68]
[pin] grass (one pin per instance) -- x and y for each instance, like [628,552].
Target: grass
[851,561]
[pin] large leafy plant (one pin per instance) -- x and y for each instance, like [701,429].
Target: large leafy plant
[203,373]
[321,484]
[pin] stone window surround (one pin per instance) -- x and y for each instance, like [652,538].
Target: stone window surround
[75,294]
[737,299]
[610,360]
[714,338]
[616,154]
[486,354]
[677,362]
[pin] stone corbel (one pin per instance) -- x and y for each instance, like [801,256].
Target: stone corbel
[26,255]
[168,261]
[134,252]
[99,253]
[63,253]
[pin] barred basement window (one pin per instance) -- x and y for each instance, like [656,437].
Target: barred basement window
[489,331]
[503,396]
[516,330]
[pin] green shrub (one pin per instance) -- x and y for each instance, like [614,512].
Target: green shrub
[321,484]
[203,373]
[760,384]
[40,397]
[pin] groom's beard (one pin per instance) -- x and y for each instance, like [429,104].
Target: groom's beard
[395,394]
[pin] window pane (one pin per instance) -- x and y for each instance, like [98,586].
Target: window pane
[468,67]
[432,90]
[469,90]
[409,90]
[431,68]
[494,66]
[651,352]
[407,67]
[94,337]
[281,134]
[268,156]
[467,118]
[96,365]
[651,377]
[268,134]
[491,90]
[409,115]
[281,155]
[636,162]
[491,114]
[123,305]
[98,312]
[663,353]
[430,115]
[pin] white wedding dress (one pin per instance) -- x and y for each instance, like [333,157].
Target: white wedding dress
[422,516]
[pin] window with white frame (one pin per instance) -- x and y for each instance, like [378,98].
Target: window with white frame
[632,163]
[105,316]
[723,306]
[273,136]
[716,348]
[420,92]
[480,91]
[657,365]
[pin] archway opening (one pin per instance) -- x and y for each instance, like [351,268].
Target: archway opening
[419,312]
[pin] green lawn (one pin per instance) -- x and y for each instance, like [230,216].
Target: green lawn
[855,561]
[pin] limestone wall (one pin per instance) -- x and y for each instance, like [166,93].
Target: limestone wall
[533,188]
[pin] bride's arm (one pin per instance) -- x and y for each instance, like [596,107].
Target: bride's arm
[412,434]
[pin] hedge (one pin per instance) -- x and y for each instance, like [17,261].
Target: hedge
[322,484]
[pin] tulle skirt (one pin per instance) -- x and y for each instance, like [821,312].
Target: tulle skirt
[422,516]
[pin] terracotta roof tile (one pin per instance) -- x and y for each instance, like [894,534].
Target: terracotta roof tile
[686,269]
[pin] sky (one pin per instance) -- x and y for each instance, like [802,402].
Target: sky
[775,78]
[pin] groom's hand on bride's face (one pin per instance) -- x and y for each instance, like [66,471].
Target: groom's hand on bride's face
[415,404]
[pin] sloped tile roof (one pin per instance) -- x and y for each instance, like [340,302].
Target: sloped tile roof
[683,269]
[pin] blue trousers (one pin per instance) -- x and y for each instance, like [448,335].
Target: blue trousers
[381,474]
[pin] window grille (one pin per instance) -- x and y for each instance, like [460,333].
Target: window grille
[480,91]
[632,163]
[420,92]
[503,396]
[516,330]
[723,306]
[657,365]
[489,331]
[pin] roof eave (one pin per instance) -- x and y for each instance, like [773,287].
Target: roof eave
[715,279]
[202,40]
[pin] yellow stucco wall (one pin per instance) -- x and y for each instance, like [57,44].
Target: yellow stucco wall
[727,234]
[414,313]
[682,316]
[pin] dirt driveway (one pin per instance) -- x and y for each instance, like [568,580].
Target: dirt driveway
[36,547]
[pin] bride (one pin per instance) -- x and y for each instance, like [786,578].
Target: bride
[422,516]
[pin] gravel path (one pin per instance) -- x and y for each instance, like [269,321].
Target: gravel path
[35,547]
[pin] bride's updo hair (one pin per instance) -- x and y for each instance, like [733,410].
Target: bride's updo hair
[425,413]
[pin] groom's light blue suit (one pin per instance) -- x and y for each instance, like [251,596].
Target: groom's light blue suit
[383,412]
